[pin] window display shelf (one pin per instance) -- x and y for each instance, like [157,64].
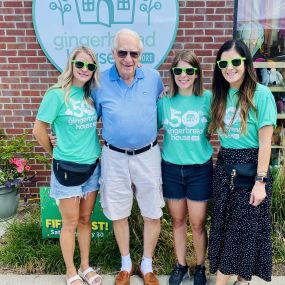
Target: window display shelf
[269,64]
[281,116]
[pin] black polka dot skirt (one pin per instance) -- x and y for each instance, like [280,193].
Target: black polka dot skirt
[239,241]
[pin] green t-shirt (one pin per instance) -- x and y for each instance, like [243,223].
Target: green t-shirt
[74,125]
[185,120]
[266,115]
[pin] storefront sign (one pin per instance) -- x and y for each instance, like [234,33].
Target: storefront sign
[52,223]
[61,25]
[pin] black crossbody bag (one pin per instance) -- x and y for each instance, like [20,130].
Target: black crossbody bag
[71,173]
[241,175]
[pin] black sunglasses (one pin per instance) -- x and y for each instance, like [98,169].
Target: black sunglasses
[187,70]
[233,62]
[124,53]
[80,64]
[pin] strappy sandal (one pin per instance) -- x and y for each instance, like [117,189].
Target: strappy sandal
[94,280]
[241,283]
[70,280]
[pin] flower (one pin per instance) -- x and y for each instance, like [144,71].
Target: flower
[16,155]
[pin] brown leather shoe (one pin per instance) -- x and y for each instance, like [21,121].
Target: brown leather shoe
[123,277]
[149,278]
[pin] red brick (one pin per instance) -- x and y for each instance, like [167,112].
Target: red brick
[30,79]
[17,59]
[185,25]
[224,11]
[10,79]
[13,131]
[6,11]
[30,93]
[3,60]
[15,32]
[215,18]
[223,25]
[5,100]
[10,92]
[214,32]
[8,53]
[18,73]
[195,3]
[16,46]
[30,33]
[37,59]
[14,18]
[22,113]
[23,11]
[215,3]
[7,39]
[7,25]
[13,4]
[29,66]
[23,125]
[24,25]
[3,73]
[6,112]
[27,53]
[204,25]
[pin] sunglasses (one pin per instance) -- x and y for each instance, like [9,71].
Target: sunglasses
[124,53]
[233,62]
[187,70]
[81,64]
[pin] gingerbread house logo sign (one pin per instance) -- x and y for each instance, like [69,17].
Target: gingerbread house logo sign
[61,25]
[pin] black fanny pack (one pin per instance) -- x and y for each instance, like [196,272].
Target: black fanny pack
[241,175]
[71,173]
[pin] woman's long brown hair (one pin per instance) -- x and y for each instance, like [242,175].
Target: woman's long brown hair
[220,89]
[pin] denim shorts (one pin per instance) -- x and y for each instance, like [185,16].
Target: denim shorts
[59,191]
[193,182]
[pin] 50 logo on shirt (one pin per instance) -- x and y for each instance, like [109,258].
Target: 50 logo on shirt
[188,119]
[79,109]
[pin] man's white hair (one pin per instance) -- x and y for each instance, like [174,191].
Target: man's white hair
[127,32]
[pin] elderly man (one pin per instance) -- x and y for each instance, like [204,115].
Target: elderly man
[126,101]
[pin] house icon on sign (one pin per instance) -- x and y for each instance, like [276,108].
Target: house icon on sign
[105,12]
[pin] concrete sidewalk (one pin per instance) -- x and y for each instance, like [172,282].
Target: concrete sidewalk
[109,280]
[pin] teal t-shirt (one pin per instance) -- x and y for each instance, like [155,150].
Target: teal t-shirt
[185,120]
[266,115]
[74,125]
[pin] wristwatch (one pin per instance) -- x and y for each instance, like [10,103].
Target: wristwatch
[262,179]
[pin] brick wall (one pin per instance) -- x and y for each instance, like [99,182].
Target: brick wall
[25,72]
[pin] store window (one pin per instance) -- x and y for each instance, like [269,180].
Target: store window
[88,5]
[261,25]
[124,5]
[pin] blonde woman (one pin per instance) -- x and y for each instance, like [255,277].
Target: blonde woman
[68,108]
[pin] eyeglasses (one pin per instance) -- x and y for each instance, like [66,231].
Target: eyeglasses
[124,53]
[187,70]
[80,64]
[233,62]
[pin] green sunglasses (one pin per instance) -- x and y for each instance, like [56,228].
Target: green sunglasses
[234,62]
[80,64]
[187,70]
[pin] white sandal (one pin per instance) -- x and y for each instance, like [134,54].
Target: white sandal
[241,283]
[70,280]
[92,280]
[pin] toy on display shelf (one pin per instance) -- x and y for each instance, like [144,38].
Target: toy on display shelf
[275,77]
[271,76]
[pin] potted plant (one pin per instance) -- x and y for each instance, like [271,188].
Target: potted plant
[16,155]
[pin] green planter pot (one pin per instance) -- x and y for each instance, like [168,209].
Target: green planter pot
[9,201]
